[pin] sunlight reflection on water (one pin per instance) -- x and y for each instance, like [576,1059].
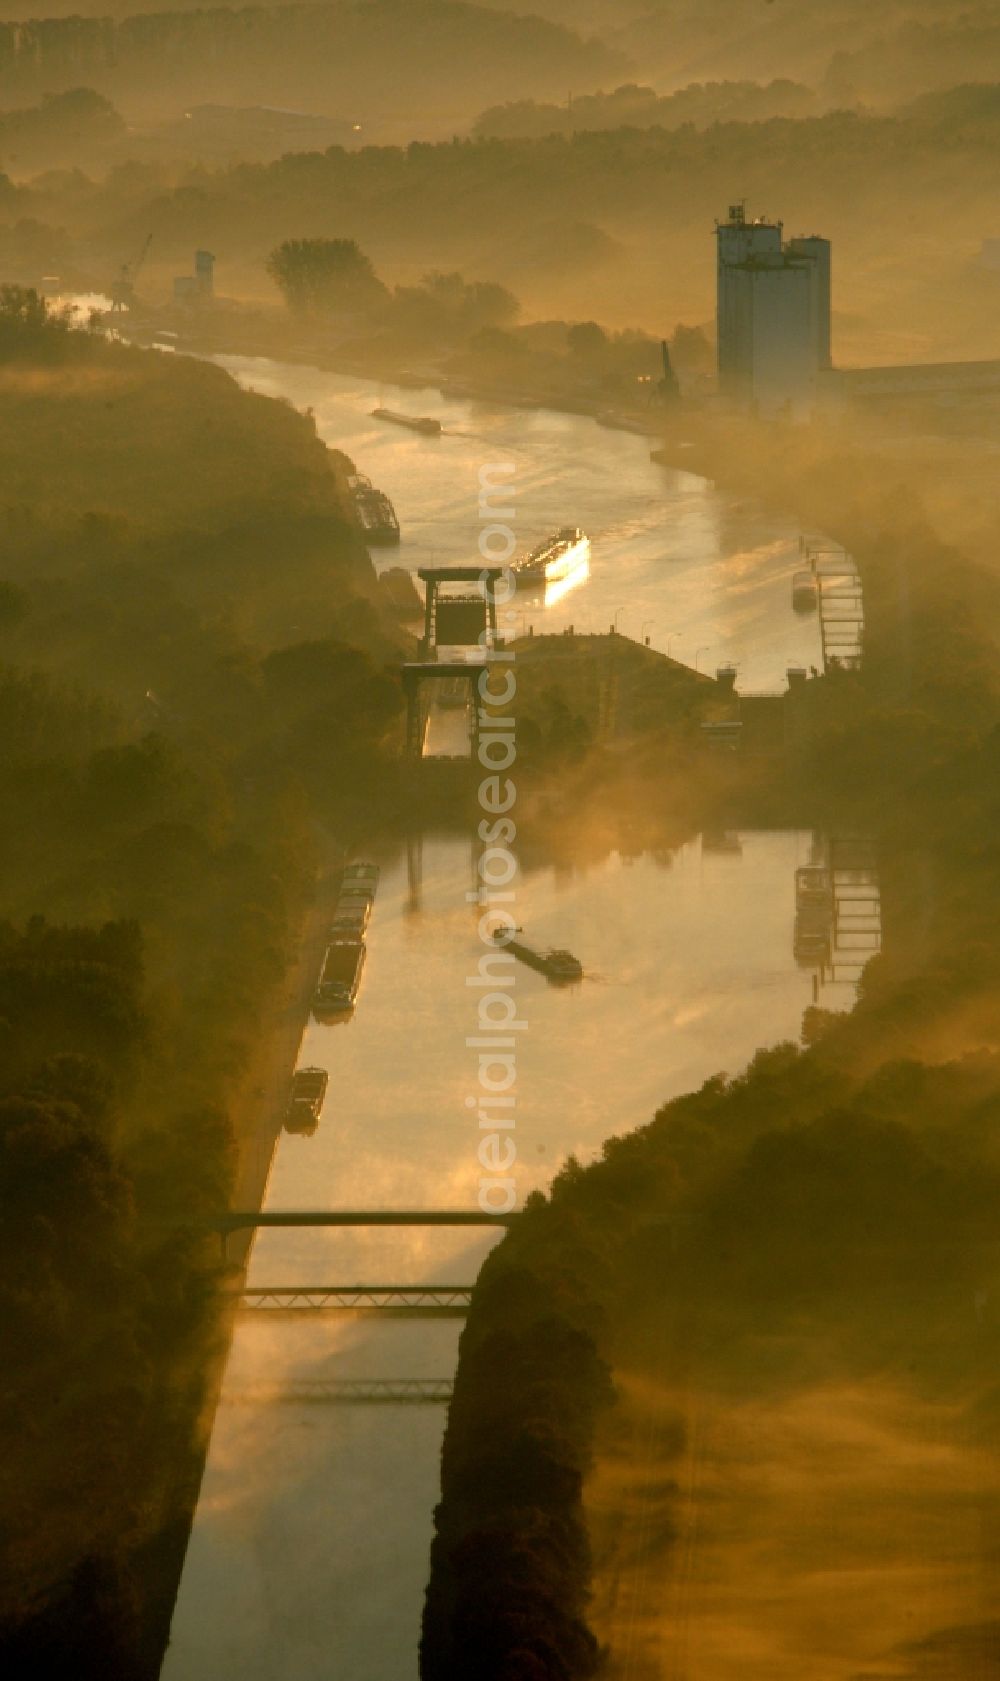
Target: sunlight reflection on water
[673,557]
[309,1553]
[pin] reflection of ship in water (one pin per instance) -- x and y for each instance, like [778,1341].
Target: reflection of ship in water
[838,923]
[375,513]
[554,566]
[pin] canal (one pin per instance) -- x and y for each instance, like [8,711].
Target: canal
[309,1552]
[705,576]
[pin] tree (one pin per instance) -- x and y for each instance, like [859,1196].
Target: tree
[321,276]
[587,340]
[691,350]
[479,303]
[28,326]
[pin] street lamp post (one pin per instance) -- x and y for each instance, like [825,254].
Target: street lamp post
[702,650]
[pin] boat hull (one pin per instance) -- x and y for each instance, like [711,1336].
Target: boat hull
[555,560]
[559,968]
[429,427]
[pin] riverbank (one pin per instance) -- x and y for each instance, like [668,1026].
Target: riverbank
[156,712]
[258,1109]
[610,868]
[268,1080]
[239,330]
[743,1205]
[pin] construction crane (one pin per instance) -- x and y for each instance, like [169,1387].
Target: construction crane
[668,389]
[123,289]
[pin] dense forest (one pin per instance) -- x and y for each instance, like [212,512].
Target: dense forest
[168,798]
[847,51]
[369,56]
[824,1218]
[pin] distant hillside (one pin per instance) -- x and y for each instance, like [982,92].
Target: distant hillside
[616,226]
[852,49]
[77,128]
[920,57]
[432,63]
[633,106]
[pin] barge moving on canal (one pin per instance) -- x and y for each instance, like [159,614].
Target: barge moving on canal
[556,964]
[416,422]
[555,559]
[306,1099]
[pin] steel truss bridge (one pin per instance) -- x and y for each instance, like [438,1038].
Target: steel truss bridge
[430,1301]
[422,1301]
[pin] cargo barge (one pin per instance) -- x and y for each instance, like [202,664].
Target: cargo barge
[360,872]
[416,422]
[355,901]
[351,919]
[375,513]
[556,964]
[556,559]
[306,1100]
[340,978]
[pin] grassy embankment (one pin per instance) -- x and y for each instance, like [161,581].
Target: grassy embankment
[795,1267]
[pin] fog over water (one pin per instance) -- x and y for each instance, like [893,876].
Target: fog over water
[311,1540]
[704,576]
[721,1401]
[309,1553]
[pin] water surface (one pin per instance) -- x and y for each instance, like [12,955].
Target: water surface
[309,1553]
[706,577]
[310,1550]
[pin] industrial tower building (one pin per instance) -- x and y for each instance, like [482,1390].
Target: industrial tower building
[773,315]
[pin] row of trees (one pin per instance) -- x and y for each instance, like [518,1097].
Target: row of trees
[637,106]
[510,1560]
[334,56]
[332,283]
[334,277]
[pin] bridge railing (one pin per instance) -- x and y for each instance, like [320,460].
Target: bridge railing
[407,1392]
